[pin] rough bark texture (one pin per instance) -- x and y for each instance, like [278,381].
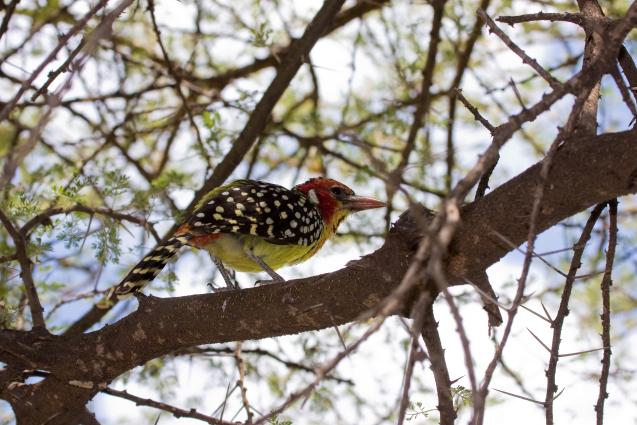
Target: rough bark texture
[584,172]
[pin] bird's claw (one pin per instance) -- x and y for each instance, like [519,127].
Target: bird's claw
[268,281]
[215,289]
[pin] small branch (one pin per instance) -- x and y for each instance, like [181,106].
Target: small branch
[25,273]
[107,212]
[628,66]
[175,411]
[175,75]
[423,103]
[538,195]
[625,92]
[541,403]
[554,83]
[439,368]
[62,68]
[415,353]
[9,9]
[474,111]
[605,288]
[562,312]
[483,184]
[575,18]
[241,382]
[257,352]
[7,258]
[462,65]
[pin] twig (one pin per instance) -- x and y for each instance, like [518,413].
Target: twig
[6,258]
[107,212]
[439,368]
[422,108]
[628,66]
[483,184]
[175,75]
[415,354]
[605,288]
[553,82]
[25,273]
[461,67]
[62,68]
[7,16]
[476,114]
[259,352]
[241,382]
[541,403]
[625,92]
[436,270]
[546,347]
[175,411]
[562,311]
[576,18]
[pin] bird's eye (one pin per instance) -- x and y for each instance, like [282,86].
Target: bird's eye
[337,190]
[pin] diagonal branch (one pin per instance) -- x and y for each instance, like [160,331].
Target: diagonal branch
[27,277]
[290,64]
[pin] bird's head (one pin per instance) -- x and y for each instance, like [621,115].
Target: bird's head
[334,200]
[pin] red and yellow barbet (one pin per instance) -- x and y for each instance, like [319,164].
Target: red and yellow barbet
[251,226]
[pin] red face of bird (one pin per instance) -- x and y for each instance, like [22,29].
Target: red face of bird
[332,197]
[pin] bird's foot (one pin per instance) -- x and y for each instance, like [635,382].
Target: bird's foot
[276,278]
[231,283]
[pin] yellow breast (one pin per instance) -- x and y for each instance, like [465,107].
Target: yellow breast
[231,250]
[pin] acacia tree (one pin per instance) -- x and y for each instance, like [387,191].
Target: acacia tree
[117,117]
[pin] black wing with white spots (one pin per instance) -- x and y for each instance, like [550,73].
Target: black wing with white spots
[249,207]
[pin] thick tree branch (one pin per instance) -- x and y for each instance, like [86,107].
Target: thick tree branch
[583,174]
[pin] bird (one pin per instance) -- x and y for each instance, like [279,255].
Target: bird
[253,226]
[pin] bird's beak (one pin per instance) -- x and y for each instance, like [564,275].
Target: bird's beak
[360,203]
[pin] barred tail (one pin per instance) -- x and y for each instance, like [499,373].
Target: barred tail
[147,269]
